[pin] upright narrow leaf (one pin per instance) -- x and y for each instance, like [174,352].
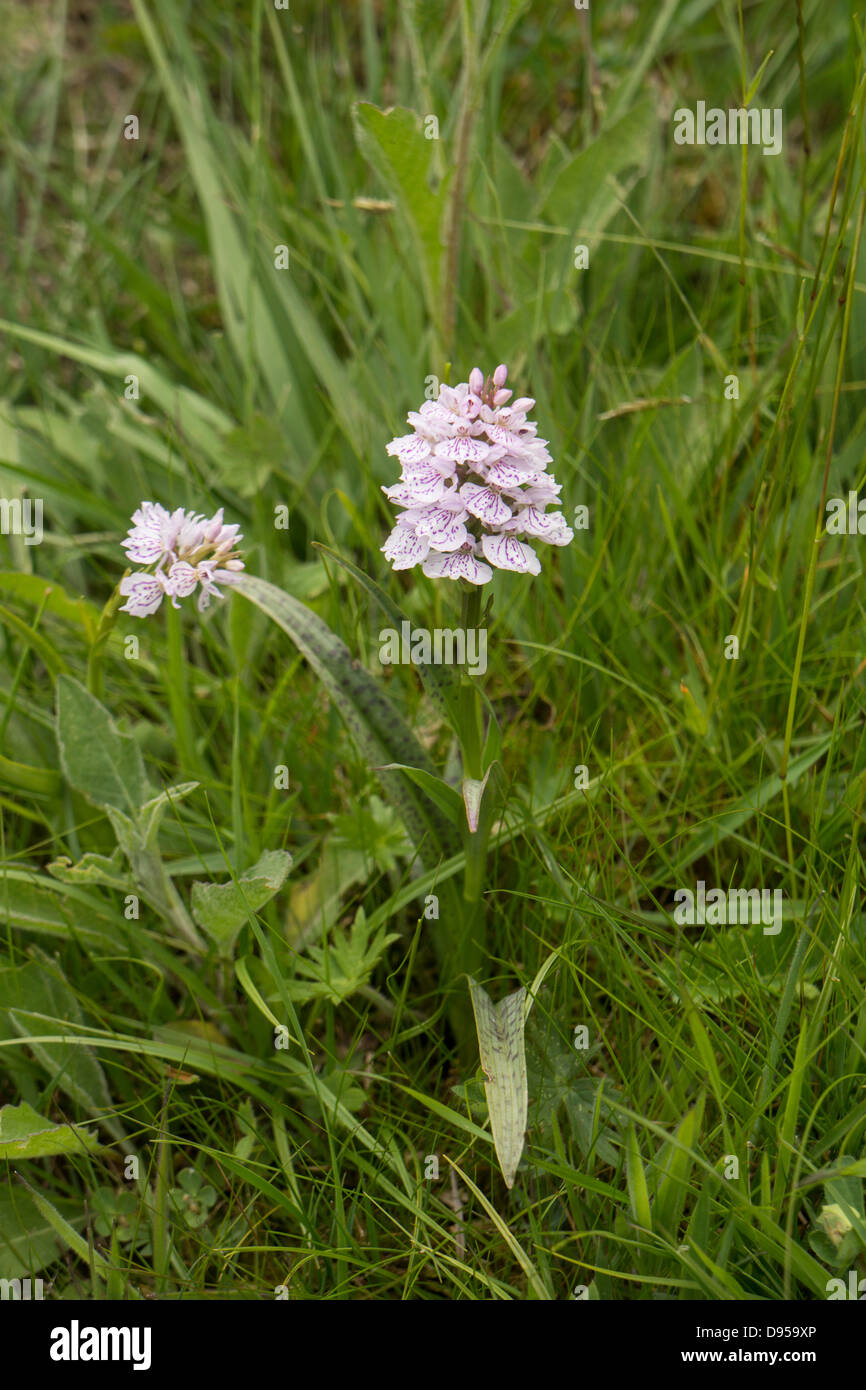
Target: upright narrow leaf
[503,1060]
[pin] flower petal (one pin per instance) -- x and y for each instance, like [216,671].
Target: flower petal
[508,553]
[463,449]
[410,448]
[486,504]
[144,594]
[404,548]
[444,528]
[461,564]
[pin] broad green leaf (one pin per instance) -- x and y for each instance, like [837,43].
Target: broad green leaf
[98,761]
[25,1134]
[393,143]
[34,999]
[583,197]
[221,909]
[500,1043]
[31,905]
[377,727]
[27,1241]
[66,1231]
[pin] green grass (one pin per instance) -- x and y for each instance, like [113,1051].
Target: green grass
[261,388]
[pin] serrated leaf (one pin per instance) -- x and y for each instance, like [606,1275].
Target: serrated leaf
[97,760]
[377,727]
[500,1043]
[26,1134]
[221,909]
[340,970]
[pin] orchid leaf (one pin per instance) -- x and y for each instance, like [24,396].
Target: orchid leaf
[376,725]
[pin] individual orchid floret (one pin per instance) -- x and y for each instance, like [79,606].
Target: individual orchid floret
[188,551]
[474,485]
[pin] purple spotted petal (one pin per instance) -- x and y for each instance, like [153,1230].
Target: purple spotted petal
[183,578]
[506,475]
[461,564]
[486,504]
[543,526]
[444,528]
[463,449]
[143,593]
[508,553]
[404,548]
[410,448]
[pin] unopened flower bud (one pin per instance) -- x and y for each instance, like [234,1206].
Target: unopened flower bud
[476,381]
[214,527]
[500,376]
[501,397]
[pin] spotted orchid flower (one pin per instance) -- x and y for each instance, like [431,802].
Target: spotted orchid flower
[474,485]
[187,551]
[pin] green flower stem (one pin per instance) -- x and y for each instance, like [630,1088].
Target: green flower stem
[156,887]
[107,619]
[470,942]
[471,720]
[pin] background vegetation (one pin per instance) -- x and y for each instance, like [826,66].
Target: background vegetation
[259,388]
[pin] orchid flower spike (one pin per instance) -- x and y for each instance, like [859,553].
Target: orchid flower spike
[473,481]
[184,552]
